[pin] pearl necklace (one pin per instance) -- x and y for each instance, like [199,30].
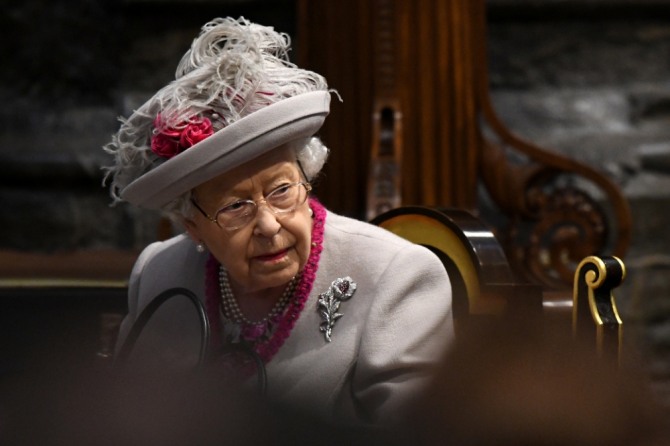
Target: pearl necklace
[231,308]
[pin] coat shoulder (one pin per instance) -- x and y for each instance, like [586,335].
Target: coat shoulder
[366,238]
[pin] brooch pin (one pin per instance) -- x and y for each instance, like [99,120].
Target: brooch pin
[329,302]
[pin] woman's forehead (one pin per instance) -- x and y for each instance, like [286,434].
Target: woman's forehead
[278,163]
[280,158]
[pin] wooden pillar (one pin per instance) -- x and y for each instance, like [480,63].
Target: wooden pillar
[406,131]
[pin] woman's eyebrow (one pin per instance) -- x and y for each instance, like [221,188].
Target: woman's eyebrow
[283,174]
[244,193]
[276,177]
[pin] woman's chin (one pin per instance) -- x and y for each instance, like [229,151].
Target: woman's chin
[271,277]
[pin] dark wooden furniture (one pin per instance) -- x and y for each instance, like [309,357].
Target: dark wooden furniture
[483,284]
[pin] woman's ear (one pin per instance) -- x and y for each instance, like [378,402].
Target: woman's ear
[192,230]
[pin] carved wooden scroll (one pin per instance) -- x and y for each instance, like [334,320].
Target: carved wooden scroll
[594,310]
[559,210]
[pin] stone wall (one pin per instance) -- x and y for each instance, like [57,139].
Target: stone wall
[70,68]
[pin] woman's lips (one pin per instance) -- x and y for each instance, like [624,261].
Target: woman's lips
[272,257]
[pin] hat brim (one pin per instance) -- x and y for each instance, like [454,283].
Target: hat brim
[290,119]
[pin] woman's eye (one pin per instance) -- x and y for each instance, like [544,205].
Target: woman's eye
[235,207]
[281,190]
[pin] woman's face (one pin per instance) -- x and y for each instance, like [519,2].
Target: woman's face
[272,248]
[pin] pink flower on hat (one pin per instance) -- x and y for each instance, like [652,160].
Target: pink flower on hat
[170,141]
[195,132]
[164,146]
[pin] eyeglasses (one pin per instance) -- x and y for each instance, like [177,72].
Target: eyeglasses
[282,200]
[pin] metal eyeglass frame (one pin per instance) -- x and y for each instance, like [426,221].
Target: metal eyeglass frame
[256,203]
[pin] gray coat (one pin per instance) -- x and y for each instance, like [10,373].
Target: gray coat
[393,330]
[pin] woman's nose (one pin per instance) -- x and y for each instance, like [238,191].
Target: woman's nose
[266,222]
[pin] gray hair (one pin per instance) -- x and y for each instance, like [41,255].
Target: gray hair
[233,68]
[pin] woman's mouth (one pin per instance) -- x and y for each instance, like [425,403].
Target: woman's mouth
[273,257]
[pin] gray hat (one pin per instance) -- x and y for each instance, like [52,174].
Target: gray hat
[235,97]
[288,120]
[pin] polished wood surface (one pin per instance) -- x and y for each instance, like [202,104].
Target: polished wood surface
[103,265]
[412,61]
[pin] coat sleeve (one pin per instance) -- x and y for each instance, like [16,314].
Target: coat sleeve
[407,333]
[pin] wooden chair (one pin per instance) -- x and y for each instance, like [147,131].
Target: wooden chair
[482,281]
[484,284]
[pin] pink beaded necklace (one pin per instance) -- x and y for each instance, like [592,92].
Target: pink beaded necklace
[266,347]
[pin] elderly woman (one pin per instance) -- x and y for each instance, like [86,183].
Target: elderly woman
[346,318]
